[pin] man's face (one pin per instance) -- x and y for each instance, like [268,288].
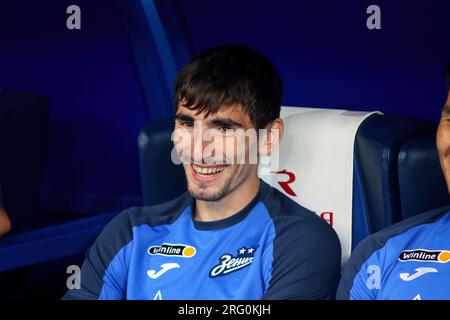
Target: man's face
[443,141]
[215,149]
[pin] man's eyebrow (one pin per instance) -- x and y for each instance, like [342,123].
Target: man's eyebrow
[183,117]
[225,122]
[446,109]
[219,122]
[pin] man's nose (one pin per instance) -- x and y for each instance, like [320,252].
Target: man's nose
[201,141]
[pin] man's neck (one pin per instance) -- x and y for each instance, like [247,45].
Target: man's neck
[229,205]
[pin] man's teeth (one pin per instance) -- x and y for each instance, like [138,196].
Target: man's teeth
[214,170]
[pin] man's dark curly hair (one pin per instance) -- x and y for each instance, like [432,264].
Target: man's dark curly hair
[229,75]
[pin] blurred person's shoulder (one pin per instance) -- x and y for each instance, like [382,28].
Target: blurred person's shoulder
[409,228]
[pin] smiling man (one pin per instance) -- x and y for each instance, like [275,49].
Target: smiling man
[230,235]
[411,259]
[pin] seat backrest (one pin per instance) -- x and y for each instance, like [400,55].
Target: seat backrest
[24,118]
[422,184]
[315,167]
[161,179]
[376,201]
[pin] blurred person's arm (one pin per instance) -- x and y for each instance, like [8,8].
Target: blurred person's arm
[5,223]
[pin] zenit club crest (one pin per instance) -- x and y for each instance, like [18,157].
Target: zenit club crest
[172,250]
[229,263]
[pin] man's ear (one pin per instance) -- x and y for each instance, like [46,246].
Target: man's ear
[271,137]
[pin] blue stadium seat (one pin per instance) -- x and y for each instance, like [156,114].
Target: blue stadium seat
[23,147]
[24,116]
[161,179]
[376,197]
[422,184]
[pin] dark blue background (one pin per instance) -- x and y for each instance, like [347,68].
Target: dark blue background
[107,80]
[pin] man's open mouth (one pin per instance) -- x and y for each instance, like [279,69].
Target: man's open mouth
[206,173]
[208,170]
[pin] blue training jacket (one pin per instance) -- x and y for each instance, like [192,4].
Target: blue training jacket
[407,261]
[272,249]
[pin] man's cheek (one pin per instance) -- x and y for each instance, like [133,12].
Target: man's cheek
[183,152]
[182,142]
[443,146]
[442,139]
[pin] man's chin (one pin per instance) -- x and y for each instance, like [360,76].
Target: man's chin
[206,193]
[206,197]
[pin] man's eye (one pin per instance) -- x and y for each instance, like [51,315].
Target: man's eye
[187,124]
[226,130]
